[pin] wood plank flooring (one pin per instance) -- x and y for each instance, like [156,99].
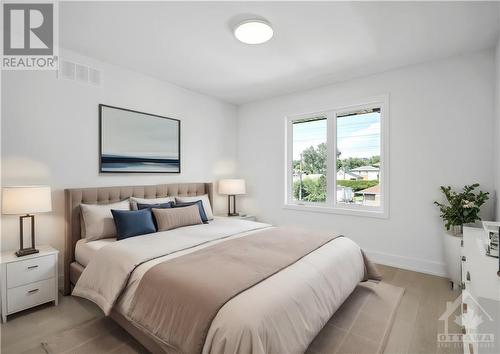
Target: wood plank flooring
[416,325]
[414,331]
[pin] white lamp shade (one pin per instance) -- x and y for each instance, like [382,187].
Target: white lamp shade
[232,186]
[26,200]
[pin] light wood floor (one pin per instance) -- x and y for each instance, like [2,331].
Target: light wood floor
[416,325]
[414,331]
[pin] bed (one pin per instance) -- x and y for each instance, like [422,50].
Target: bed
[282,311]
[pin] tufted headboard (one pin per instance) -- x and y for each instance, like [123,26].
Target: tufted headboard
[103,195]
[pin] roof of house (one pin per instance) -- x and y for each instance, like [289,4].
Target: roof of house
[370,190]
[349,173]
[366,168]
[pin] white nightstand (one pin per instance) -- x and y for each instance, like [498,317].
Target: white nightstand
[28,281]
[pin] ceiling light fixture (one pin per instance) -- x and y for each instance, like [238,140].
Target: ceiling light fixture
[253,31]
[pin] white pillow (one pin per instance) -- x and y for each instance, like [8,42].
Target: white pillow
[204,200]
[134,201]
[97,220]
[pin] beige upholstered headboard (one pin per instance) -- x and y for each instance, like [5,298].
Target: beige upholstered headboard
[103,195]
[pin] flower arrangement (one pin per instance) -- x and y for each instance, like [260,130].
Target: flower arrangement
[463,207]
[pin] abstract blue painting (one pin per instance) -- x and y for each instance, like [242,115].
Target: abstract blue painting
[137,142]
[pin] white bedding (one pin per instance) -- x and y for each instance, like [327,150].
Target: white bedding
[282,314]
[85,251]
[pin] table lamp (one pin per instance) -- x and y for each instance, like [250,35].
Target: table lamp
[232,188]
[24,201]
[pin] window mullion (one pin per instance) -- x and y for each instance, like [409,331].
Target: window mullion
[331,168]
[289,162]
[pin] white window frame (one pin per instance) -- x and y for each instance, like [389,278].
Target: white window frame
[331,205]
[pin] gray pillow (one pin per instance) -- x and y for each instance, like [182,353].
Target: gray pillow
[97,220]
[204,199]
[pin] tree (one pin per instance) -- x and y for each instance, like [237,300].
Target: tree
[374,159]
[315,159]
[354,162]
[296,165]
[313,190]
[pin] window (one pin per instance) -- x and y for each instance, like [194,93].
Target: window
[309,160]
[336,160]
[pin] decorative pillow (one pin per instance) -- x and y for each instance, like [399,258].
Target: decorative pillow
[204,199]
[172,218]
[141,206]
[97,220]
[130,223]
[199,204]
[134,201]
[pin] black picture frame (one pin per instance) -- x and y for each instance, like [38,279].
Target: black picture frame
[101,170]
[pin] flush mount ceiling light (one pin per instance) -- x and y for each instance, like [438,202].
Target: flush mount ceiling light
[253,31]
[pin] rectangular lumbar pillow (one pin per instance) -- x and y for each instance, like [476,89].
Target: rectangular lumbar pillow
[134,201]
[199,204]
[130,223]
[141,206]
[172,218]
[97,220]
[204,199]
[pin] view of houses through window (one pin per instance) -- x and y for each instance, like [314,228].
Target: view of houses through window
[357,162]
[358,157]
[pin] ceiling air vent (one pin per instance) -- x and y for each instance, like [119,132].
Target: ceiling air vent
[79,72]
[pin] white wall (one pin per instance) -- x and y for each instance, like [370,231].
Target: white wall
[441,116]
[496,134]
[441,113]
[50,136]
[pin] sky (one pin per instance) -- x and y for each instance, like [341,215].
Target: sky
[357,136]
[131,134]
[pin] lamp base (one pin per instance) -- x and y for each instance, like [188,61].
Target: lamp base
[26,251]
[233,214]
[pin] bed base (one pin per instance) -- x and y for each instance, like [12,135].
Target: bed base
[149,342]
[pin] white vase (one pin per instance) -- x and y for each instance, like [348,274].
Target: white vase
[452,256]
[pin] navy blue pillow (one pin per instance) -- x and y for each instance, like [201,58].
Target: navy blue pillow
[156,206]
[199,203]
[130,223]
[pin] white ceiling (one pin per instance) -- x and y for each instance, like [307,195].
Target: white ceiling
[315,43]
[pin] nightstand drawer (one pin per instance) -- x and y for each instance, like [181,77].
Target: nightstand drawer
[30,270]
[30,295]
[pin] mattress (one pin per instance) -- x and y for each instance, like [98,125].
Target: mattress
[85,251]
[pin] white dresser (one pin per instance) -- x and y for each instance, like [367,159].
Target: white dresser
[28,281]
[480,295]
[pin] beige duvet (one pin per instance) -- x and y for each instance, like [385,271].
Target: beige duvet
[281,314]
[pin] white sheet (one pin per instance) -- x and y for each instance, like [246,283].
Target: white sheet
[85,251]
[282,314]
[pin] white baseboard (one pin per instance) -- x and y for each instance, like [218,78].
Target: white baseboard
[414,264]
